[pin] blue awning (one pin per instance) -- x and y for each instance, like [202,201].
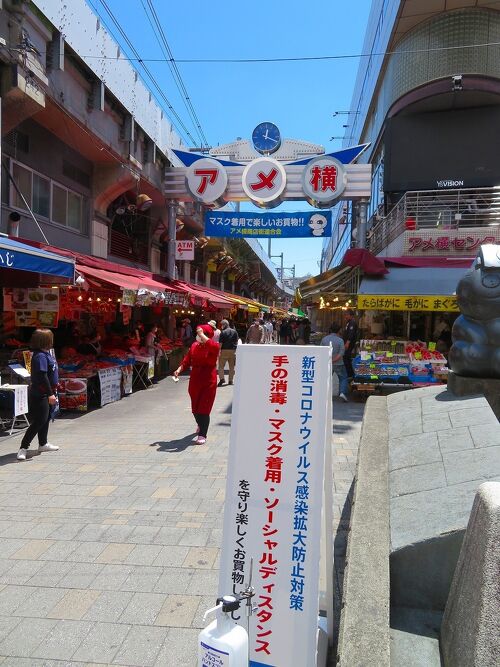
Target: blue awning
[22,257]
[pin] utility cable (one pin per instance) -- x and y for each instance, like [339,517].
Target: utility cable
[167,52]
[144,67]
[341,56]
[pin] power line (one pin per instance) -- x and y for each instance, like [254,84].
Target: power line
[145,68]
[342,56]
[167,52]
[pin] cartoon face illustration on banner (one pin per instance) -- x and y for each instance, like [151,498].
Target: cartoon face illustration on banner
[264,181]
[318,223]
[323,181]
[206,181]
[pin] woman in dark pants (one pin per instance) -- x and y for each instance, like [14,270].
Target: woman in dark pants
[42,392]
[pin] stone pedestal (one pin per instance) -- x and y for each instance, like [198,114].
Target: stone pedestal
[466,386]
[470,633]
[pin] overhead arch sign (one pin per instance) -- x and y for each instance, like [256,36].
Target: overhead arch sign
[265,182]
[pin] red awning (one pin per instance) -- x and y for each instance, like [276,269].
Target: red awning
[429,262]
[111,277]
[371,265]
[199,295]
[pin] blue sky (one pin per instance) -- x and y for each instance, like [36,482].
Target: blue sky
[231,99]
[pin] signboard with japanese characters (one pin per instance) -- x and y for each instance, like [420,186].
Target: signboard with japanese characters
[266,182]
[445,304]
[323,180]
[463,242]
[184,250]
[304,224]
[274,497]
[111,382]
[206,181]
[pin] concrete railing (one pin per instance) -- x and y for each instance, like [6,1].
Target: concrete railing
[364,635]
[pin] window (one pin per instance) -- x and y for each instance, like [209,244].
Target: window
[41,195]
[59,204]
[22,178]
[48,199]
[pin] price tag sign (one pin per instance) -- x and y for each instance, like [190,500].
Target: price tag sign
[390,355]
[432,347]
[418,355]
[373,366]
[373,377]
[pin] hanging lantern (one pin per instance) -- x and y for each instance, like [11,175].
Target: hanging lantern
[211,266]
[143,203]
[231,276]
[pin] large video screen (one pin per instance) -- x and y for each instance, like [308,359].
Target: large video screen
[440,150]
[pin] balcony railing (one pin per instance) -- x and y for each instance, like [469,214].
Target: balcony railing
[436,209]
[129,248]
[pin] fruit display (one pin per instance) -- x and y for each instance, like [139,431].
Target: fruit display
[428,357]
[394,346]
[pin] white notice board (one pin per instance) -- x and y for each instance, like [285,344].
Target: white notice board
[111,381]
[273,510]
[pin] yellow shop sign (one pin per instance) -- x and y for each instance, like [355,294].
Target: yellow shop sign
[414,302]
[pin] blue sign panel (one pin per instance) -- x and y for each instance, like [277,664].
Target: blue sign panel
[16,255]
[311,224]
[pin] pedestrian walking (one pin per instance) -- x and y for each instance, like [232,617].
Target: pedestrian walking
[213,324]
[202,359]
[338,366]
[187,332]
[255,333]
[228,342]
[42,392]
[350,337]
[268,331]
[285,332]
[152,348]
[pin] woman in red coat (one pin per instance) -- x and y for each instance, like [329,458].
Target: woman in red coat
[202,358]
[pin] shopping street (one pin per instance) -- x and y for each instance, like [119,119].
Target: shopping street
[110,547]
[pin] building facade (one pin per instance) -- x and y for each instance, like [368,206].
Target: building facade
[85,145]
[427,98]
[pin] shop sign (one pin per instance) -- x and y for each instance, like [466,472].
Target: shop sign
[184,250]
[323,180]
[73,394]
[206,180]
[129,297]
[127,378]
[274,497]
[111,382]
[446,304]
[264,181]
[304,224]
[456,242]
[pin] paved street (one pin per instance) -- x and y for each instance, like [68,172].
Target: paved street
[110,547]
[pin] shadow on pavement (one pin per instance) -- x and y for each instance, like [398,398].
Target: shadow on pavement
[7,459]
[174,445]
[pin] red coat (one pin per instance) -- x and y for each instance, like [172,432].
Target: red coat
[202,358]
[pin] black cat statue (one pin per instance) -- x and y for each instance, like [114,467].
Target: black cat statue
[476,333]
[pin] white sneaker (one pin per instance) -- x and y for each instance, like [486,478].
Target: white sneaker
[200,440]
[195,439]
[48,448]
[343,397]
[21,455]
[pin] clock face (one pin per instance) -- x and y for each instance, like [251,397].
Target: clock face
[266,138]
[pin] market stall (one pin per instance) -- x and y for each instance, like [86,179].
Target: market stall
[397,364]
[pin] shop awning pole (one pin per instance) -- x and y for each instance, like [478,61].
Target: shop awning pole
[172,228]
[28,208]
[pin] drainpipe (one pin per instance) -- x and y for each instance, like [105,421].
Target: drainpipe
[172,220]
[362,219]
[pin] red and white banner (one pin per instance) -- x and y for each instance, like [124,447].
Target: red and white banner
[274,496]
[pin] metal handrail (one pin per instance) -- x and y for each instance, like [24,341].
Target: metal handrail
[431,209]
